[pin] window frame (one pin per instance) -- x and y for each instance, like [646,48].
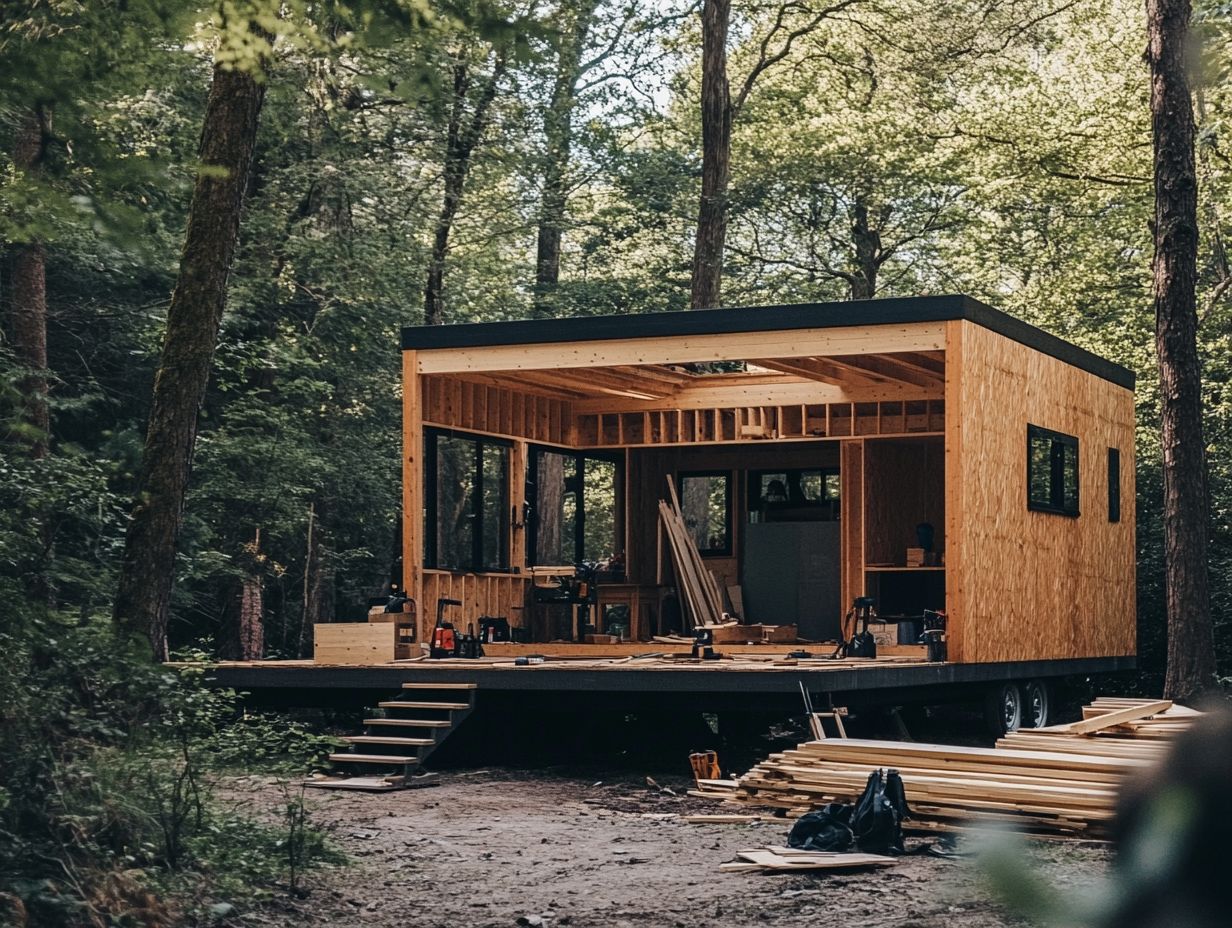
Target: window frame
[728,501]
[1114,485]
[577,459]
[755,501]
[431,527]
[1056,472]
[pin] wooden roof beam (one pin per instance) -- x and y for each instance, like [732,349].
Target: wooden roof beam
[590,383]
[815,369]
[680,349]
[880,365]
[784,392]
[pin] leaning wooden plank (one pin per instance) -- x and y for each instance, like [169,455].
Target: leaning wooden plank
[1110,719]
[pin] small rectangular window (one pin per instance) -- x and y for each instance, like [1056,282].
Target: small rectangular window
[706,504]
[1052,471]
[1114,485]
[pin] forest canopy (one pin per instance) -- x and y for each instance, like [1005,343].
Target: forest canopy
[473,161]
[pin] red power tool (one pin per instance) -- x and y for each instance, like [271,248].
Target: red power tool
[444,640]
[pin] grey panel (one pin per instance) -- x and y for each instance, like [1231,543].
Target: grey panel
[791,575]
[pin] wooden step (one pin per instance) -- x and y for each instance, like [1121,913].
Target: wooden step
[410,723]
[362,784]
[382,739]
[440,686]
[390,759]
[424,705]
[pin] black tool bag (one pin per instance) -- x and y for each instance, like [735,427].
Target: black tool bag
[877,820]
[862,645]
[827,829]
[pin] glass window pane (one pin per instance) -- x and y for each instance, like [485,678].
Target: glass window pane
[600,484]
[1039,469]
[555,508]
[455,516]
[704,503]
[1069,481]
[495,488]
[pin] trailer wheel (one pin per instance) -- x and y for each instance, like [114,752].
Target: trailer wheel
[1037,704]
[1003,709]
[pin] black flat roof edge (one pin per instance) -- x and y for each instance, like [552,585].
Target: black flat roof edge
[890,311]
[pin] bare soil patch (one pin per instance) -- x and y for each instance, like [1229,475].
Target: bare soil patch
[564,850]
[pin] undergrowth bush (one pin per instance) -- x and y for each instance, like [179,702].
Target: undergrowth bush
[109,808]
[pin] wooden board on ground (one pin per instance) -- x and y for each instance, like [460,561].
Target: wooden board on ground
[782,859]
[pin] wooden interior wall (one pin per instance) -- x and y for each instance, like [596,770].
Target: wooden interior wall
[904,485]
[481,595]
[492,410]
[1023,584]
[852,515]
[647,481]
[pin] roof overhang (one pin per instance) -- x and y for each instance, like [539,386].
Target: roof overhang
[847,327]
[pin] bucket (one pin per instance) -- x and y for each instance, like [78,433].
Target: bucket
[909,631]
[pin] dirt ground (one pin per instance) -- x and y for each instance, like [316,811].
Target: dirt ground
[500,847]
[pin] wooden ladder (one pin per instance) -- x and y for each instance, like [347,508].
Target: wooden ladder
[411,726]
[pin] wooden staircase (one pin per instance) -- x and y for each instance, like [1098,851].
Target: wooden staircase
[411,727]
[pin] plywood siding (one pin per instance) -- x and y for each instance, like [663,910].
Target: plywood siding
[1026,585]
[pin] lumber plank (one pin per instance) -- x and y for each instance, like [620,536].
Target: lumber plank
[1111,719]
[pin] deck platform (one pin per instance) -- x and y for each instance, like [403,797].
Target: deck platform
[731,681]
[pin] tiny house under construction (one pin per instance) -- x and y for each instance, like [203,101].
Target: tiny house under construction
[931,453]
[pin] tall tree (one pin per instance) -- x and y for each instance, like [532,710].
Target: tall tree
[558,139]
[791,21]
[228,137]
[1191,648]
[28,323]
[470,105]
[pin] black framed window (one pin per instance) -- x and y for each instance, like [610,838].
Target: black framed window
[1114,485]
[466,501]
[577,506]
[807,494]
[1052,471]
[706,504]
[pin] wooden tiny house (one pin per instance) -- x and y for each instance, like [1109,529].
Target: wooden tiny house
[818,444]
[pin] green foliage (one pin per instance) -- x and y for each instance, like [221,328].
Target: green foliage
[109,802]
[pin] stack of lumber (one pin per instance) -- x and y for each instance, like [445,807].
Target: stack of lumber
[1058,780]
[699,590]
[781,859]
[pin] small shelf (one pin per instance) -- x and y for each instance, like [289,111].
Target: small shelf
[887,568]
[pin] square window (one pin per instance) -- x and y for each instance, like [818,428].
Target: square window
[1052,471]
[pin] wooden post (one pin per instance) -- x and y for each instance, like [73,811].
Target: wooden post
[412,484]
[954,579]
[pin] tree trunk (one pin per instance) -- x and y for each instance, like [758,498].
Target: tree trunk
[251,620]
[558,134]
[28,318]
[193,319]
[867,242]
[463,136]
[706,286]
[1191,650]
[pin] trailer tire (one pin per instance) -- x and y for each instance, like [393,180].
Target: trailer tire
[1037,704]
[1003,708]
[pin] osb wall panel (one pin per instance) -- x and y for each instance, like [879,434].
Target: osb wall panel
[1025,585]
[477,407]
